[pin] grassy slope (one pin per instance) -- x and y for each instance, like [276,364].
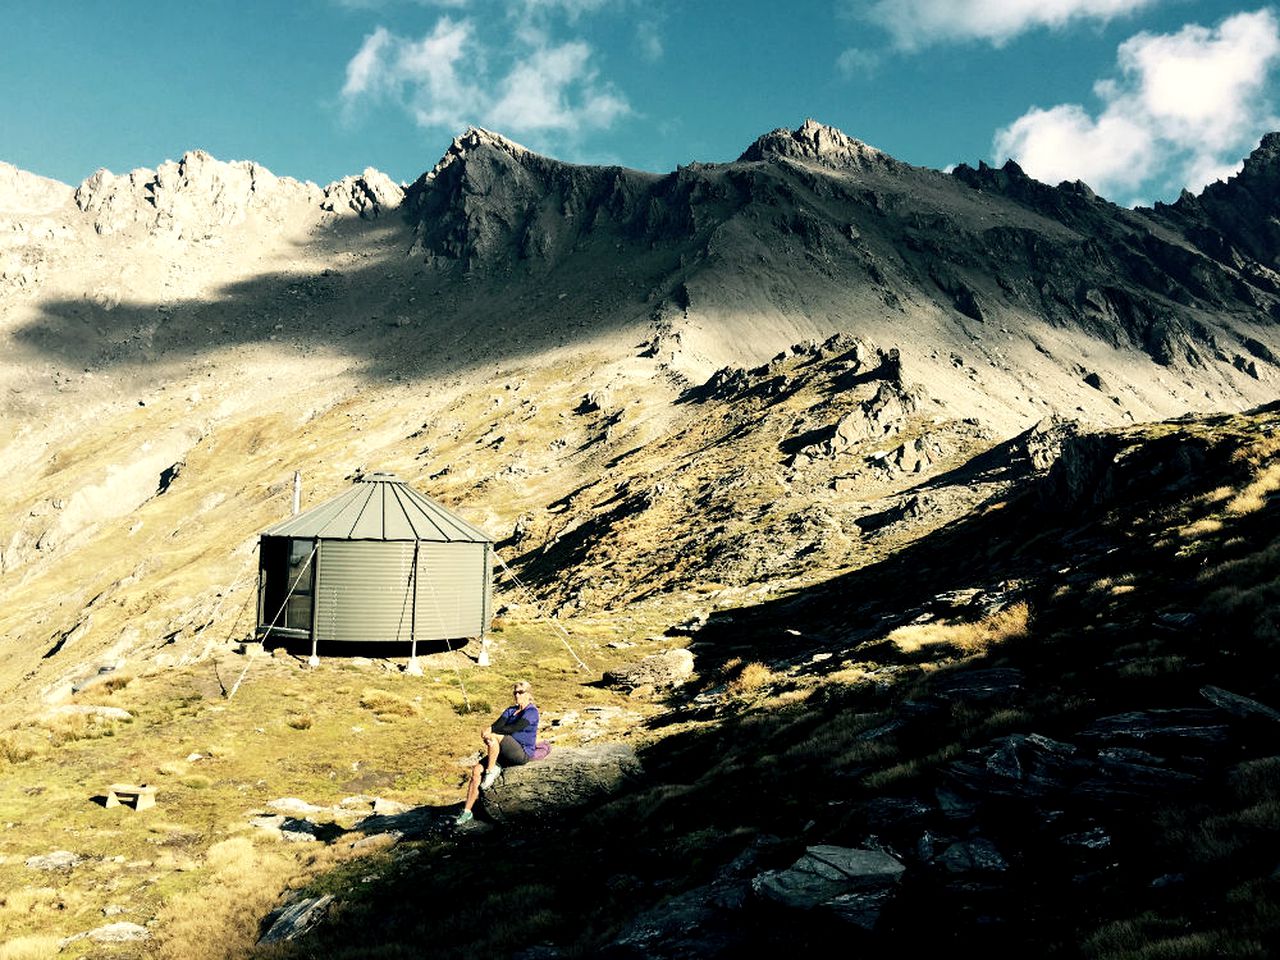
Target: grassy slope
[1186,521]
[193,865]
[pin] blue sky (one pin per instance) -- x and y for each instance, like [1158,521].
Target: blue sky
[1139,98]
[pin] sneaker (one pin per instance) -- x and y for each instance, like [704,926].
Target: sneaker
[490,777]
[466,816]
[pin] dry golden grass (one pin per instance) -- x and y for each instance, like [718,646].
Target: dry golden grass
[219,921]
[751,678]
[37,947]
[1200,528]
[1217,495]
[908,769]
[1259,452]
[963,639]
[385,704]
[30,901]
[1255,494]
[19,745]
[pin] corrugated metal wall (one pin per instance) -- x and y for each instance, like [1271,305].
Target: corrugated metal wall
[452,585]
[363,590]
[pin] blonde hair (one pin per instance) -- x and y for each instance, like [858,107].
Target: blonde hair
[523,686]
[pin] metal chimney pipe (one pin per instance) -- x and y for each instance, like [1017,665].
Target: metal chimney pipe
[297,492]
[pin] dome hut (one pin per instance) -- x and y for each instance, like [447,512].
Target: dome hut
[379,563]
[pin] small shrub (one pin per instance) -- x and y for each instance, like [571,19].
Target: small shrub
[300,721]
[196,782]
[464,708]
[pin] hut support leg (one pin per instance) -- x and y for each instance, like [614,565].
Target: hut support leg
[413,668]
[483,659]
[314,661]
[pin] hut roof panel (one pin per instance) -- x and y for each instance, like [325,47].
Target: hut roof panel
[379,507]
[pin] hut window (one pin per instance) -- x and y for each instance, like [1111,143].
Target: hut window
[297,614]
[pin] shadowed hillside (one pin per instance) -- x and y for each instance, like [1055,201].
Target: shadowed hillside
[841,427]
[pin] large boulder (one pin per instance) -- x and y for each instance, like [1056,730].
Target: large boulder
[569,777]
[851,884]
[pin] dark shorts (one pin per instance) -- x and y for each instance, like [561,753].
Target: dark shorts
[510,753]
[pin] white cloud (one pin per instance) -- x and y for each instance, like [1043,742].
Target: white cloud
[521,83]
[649,40]
[918,23]
[1203,84]
[423,75]
[1186,105]
[429,68]
[366,71]
[554,88]
[1065,143]
[857,63]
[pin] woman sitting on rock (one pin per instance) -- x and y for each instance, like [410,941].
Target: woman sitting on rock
[509,742]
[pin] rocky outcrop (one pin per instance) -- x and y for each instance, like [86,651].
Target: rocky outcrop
[26,194]
[295,919]
[852,884]
[191,198]
[570,777]
[667,669]
[815,142]
[369,196]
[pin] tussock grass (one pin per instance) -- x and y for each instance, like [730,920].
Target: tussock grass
[17,746]
[750,679]
[963,639]
[219,921]
[385,704]
[27,901]
[1200,528]
[1218,495]
[300,721]
[1256,493]
[901,773]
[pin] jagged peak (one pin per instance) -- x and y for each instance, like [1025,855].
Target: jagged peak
[1265,158]
[198,191]
[471,140]
[815,142]
[368,195]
